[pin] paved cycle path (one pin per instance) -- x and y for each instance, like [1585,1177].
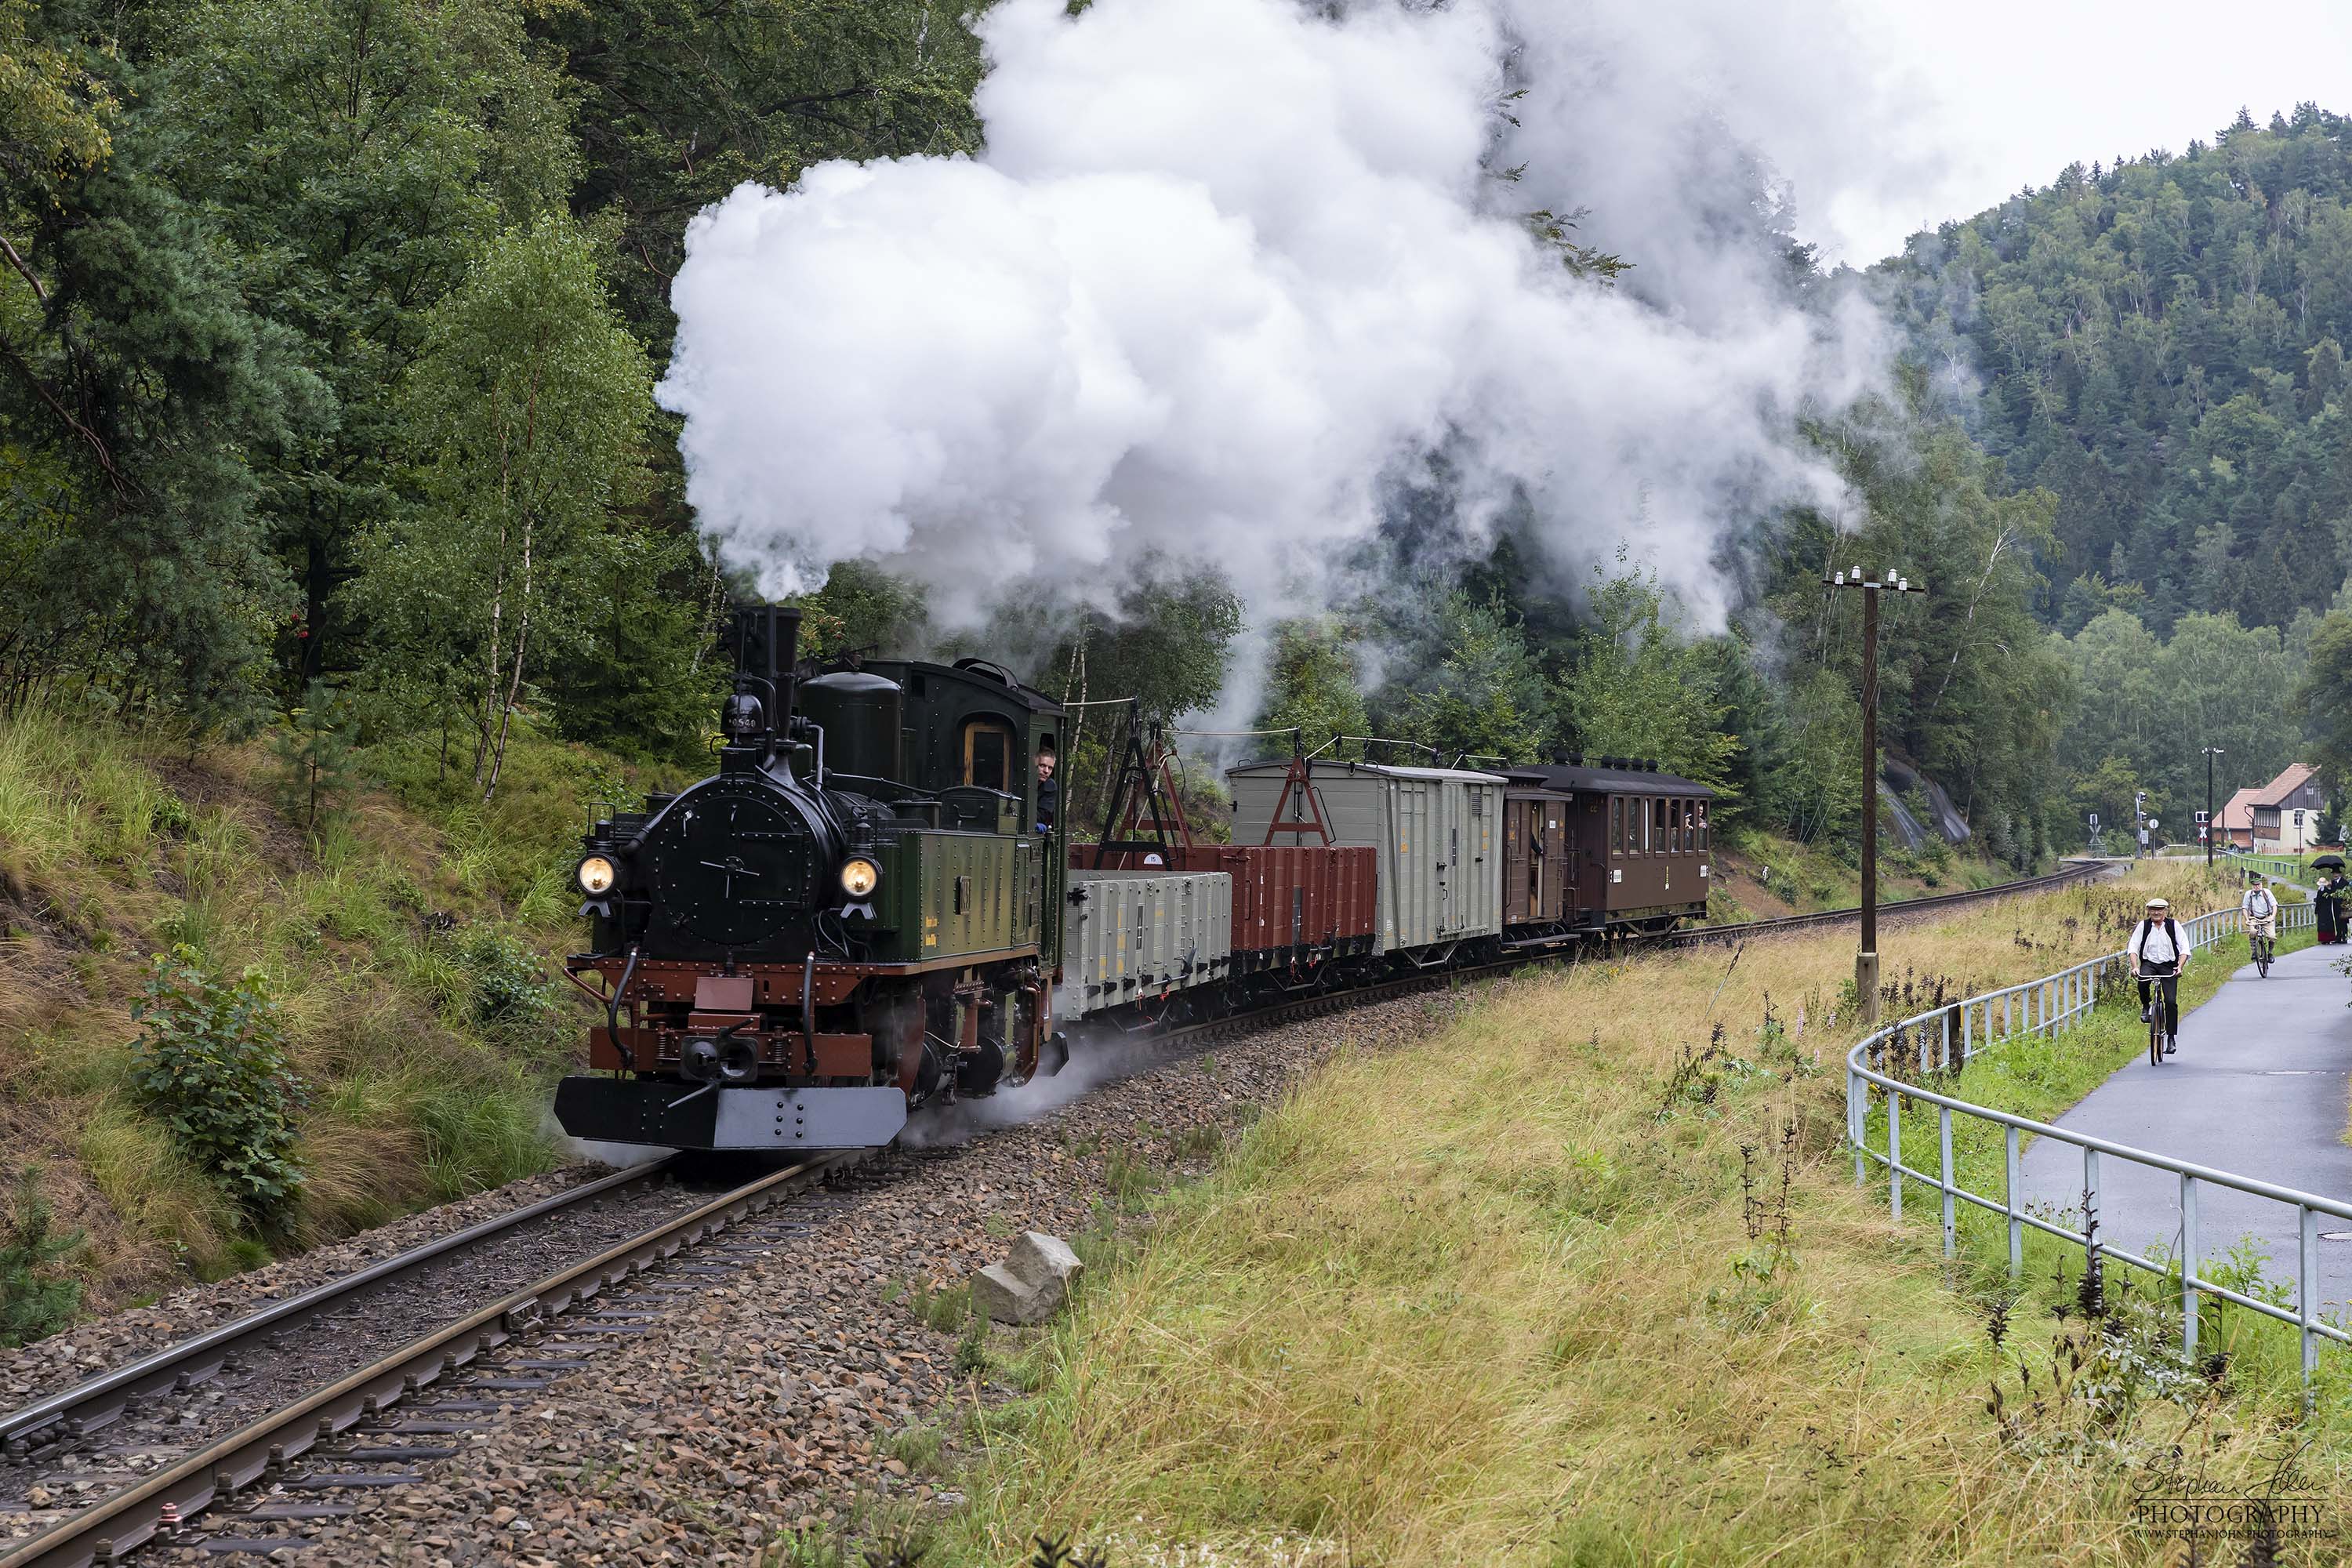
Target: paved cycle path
[2259,1088]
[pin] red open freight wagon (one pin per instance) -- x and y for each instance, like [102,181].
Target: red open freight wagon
[1292,902]
[1294,905]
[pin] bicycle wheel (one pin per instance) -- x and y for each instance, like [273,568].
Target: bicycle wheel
[2262,958]
[2156,1033]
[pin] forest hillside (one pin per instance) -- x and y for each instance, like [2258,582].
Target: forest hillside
[2158,343]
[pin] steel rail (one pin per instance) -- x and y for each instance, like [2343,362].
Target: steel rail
[129,1519]
[101,1400]
[2072,872]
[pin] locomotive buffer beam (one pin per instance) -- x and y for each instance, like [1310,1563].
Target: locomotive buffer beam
[647,1110]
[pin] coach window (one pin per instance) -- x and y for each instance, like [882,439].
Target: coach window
[988,753]
[1704,844]
[1658,815]
[1616,826]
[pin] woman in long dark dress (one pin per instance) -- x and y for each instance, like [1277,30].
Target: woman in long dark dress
[2330,913]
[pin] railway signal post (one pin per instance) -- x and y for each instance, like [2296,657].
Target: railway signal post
[1865,962]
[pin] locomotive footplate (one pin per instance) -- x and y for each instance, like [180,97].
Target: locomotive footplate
[685,1116]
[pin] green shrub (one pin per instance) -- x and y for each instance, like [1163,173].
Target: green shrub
[512,995]
[211,1060]
[33,1303]
[314,753]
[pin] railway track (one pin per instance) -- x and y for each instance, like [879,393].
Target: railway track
[1324,1003]
[373,1414]
[2072,872]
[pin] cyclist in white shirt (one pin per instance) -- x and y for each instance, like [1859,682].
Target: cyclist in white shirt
[2260,910]
[2157,951]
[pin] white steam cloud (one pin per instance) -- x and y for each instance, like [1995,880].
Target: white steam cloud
[1229,269]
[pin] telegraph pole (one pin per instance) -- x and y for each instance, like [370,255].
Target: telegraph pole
[2210,752]
[1865,962]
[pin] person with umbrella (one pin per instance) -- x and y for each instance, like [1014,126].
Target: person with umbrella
[2329,914]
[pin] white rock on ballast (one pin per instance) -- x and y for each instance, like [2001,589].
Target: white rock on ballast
[1032,1282]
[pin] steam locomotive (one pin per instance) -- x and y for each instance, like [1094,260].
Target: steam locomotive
[860,911]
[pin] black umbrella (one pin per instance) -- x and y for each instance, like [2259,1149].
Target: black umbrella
[2328,863]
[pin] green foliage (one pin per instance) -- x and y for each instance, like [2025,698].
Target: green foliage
[35,1300]
[137,384]
[1484,696]
[526,413]
[2160,346]
[211,1061]
[54,113]
[512,995]
[314,750]
[1640,690]
[1169,647]
[2326,697]
[861,606]
[351,212]
[1312,684]
[2147,708]
[1969,690]
[681,101]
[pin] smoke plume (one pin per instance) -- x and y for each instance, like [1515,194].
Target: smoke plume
[1231,271]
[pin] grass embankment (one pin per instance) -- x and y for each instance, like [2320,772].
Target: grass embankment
[1760,875]
[1585,1280]
[405,943]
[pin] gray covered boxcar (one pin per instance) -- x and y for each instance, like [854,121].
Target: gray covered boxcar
[1438,832]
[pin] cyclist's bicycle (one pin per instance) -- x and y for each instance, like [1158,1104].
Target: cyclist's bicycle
[2156,1011]
[2262,936]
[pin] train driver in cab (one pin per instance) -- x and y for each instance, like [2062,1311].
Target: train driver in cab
[1049,791]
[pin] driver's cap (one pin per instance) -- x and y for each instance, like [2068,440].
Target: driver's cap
[2160,904]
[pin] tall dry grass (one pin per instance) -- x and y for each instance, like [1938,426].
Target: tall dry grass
[1519,1294]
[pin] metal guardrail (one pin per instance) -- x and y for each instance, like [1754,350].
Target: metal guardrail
[2277,867]
[2045,1007]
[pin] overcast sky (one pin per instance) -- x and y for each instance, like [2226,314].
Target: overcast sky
[2005,93]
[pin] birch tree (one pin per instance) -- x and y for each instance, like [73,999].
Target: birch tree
[525,418]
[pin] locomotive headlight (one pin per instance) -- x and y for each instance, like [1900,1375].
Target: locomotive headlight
[858,875]
[595,875]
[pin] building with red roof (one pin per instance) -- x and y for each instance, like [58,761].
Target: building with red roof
[2285,811]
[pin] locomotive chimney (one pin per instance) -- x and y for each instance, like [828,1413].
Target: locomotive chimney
[767,646]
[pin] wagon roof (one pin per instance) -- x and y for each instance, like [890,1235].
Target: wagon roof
[1609,781]
[1327,767]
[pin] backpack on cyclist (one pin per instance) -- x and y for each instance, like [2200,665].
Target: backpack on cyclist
[2171,931]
